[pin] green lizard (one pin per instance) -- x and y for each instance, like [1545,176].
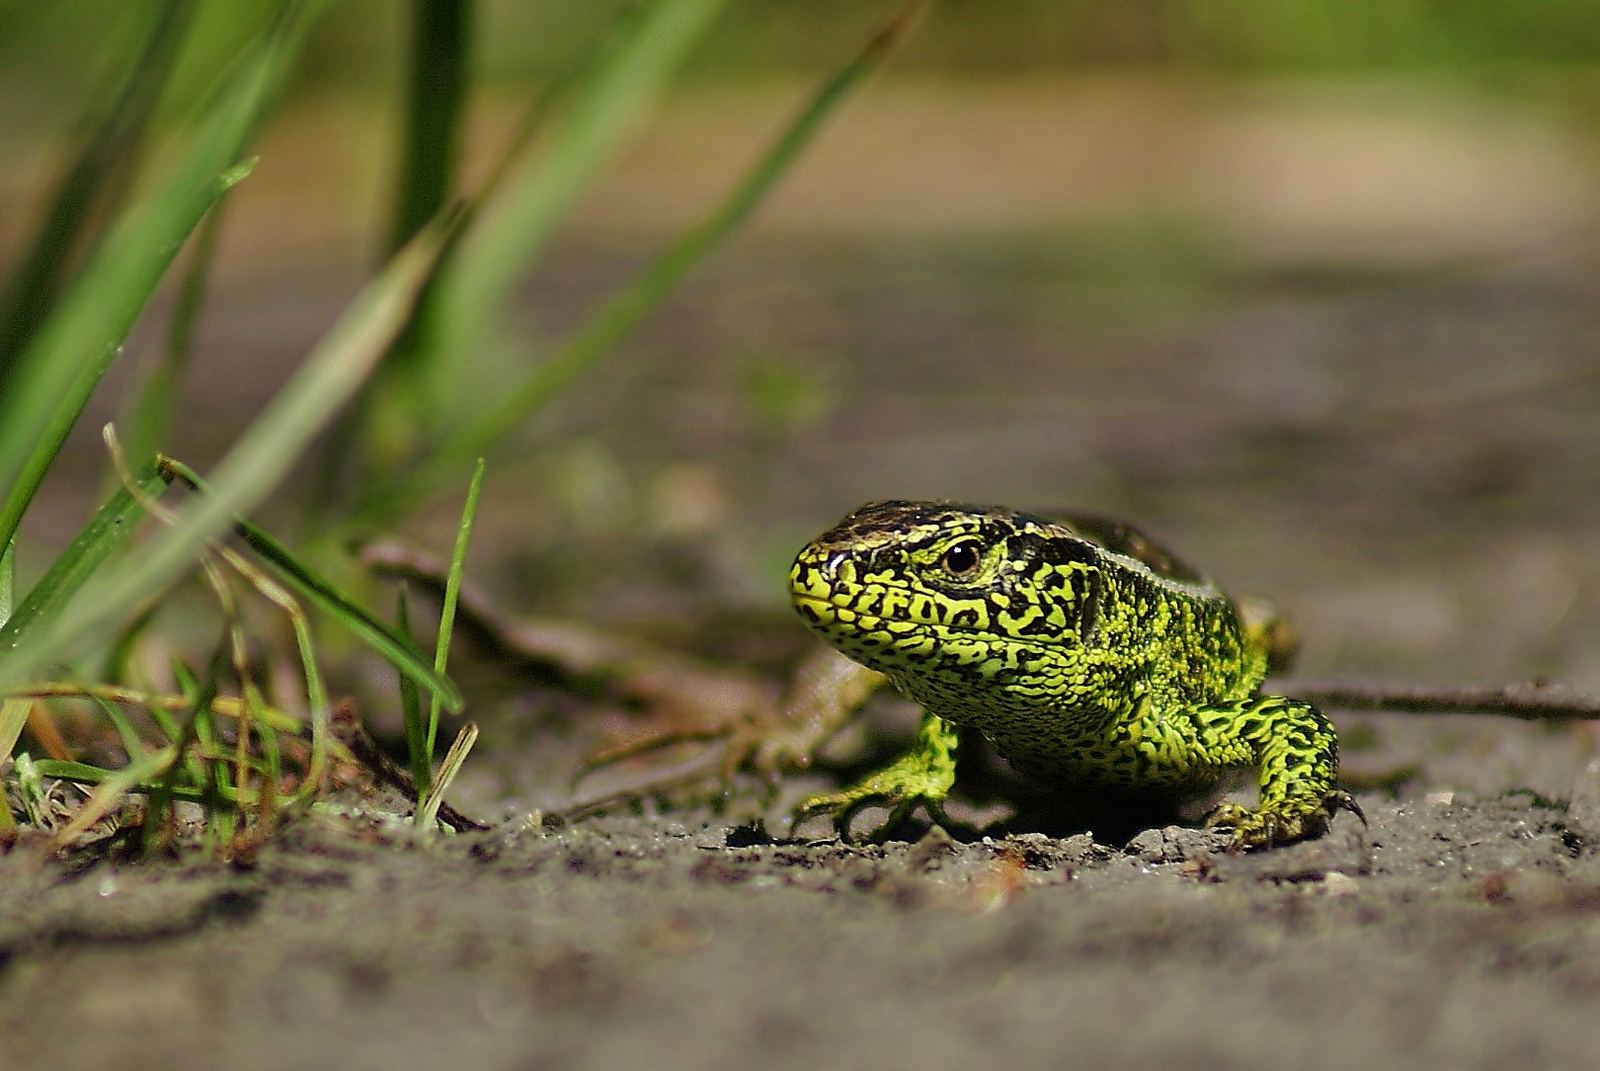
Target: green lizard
[1090,658]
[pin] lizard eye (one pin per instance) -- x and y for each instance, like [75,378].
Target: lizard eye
[961,560]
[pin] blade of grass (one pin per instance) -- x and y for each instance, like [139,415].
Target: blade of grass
[509,233]
[188,682]
[254,707]
[452,594]
[110,791]
[105,153]
[150,412]
[387,422]
[85,774]
[427,814]
[398,410]
[201,695]
[255,465]
[13,716]
[82,773]
[13,712]
[77,345]
[45,731]
[315,692]
[272,772]
[125,731]
[603,330]
[65,359]
[207,749]
[73,566]
[441,35]
[393,646]
[238,659]
[227,706]
[8,581]
[418,753]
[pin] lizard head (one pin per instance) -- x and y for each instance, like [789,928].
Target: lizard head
[986,615]
[953,598]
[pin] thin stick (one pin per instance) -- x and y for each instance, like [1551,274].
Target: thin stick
[1532,701]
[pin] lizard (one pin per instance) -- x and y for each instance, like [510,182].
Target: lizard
[1088,655]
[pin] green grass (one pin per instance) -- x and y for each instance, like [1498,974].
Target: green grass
[208,736]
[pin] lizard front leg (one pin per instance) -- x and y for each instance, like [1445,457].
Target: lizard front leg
[1293,745]
[923,777]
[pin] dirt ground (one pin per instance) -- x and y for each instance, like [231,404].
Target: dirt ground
[1406,460]
[1448,934]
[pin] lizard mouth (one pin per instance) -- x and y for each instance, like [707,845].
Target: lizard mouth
[839,619]
[818,610]
[874,629]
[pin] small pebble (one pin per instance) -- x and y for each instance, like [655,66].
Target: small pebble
[1149,846]
[1583,810]
[1337,884]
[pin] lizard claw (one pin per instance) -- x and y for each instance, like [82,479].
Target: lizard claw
[1283,822]
[842,808]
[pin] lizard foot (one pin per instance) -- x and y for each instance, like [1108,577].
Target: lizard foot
[904,786]
[1282,821]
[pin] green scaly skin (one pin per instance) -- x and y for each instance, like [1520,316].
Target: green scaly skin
[1086,654]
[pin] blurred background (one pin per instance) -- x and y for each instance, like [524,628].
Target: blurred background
[1310,292]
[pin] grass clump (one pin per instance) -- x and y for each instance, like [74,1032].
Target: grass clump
[229,744]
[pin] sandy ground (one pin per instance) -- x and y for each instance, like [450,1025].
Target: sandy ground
[1459,935]
[1406,461]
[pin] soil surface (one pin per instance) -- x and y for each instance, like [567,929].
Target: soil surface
[1447,934]
[1405,460]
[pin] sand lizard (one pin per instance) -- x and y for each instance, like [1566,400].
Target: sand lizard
[1089,656]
